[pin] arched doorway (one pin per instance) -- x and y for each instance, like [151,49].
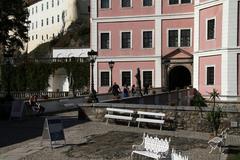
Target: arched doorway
[180,77]
[59,81]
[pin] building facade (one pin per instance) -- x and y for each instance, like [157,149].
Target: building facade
[50,17]
[174,43]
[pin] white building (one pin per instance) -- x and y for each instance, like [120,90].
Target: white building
[49,17]
[59,81]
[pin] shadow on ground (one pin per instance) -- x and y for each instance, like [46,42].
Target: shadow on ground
[118,145]
[17,131]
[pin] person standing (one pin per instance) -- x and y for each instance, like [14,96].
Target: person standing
[133,90]
[116,90]
[125,91]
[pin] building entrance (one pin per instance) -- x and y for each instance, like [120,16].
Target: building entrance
[179,77]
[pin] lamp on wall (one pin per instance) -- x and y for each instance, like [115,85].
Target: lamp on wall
[111,64]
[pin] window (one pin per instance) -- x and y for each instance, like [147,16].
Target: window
[32,37]
[126,39]
[126,78]
[52,19]
[105,78]
[147,2]
[36,9]
[52,3]
[185,38]
[173,38]
[179,38]
[36,36]
[126,3]
[147,77]
[58,18]
[36,24]
[173,1]
[58,2]
[42,6]
[211,29]
[32,10]
[42,22]
[47,21]
[179,1]
[147,39]
[47,5]
[105,4]
[210,75]
[105,41]
[47,36]
[32,26]
[42,37]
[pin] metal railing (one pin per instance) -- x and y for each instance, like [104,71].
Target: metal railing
[42,94]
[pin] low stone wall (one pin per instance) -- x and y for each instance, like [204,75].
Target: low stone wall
[181,117]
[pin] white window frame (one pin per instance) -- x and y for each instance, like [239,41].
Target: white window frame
[214,82]
[121,39]
[110,40]
[145,70]
[179,37]
[153,38]
[148,6]
[125,7]
[121,77]
[206,24]
[109,79]
[110,5]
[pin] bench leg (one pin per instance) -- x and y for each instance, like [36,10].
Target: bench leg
[128,123]
[107,121]
[138,124]
[160,127]
[132,156]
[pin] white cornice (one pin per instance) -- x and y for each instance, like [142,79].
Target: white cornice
[208,3]
[144,17]
[127,58]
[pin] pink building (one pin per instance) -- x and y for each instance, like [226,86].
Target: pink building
[175,43]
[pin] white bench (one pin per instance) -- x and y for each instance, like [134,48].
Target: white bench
[111,115]
[152,147]
[150,120]
[66,103]
[177,156]
[218,141]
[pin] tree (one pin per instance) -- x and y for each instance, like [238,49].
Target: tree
[13,25]
[214,117]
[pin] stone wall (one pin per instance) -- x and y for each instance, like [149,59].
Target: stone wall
[177,117]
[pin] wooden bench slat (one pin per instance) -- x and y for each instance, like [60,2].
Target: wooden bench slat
[150,120]
[118,117]
[151,113]
[120,110]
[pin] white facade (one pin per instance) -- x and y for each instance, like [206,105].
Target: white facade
[50,17]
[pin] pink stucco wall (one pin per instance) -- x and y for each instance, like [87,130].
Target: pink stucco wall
[116,10]
[124,66]
[177,8]
[202,1]
[136,28]
[209,13]
[203,63]
[176,24]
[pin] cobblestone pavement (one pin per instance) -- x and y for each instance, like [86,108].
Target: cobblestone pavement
[96,140]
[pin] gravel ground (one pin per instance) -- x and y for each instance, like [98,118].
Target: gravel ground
[98,141]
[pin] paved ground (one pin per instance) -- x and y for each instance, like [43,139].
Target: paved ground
[94,141]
